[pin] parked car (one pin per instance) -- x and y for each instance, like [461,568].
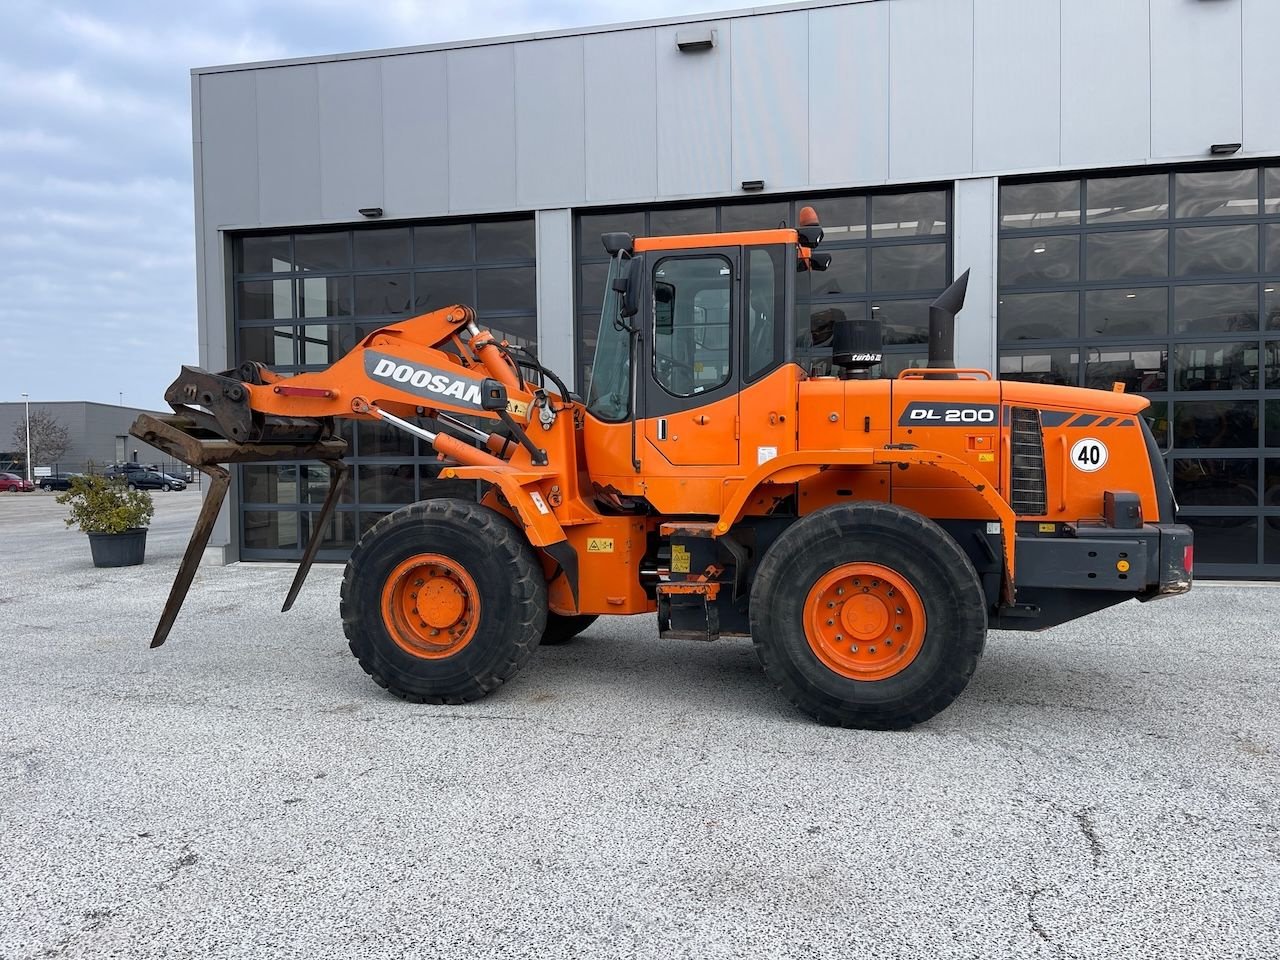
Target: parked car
[126,469]
[60,482]
[13,482]
[153,480]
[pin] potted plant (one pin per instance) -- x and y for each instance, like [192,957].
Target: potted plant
[114,517]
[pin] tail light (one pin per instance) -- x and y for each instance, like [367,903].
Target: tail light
[1187,553]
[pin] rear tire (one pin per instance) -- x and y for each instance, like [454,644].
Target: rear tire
[835,593]
[132,486]
[562,629]
[443,601]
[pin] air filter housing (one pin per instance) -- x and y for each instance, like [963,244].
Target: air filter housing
[856,344]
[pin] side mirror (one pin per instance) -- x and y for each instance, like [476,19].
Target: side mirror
[664,302]
[628,288]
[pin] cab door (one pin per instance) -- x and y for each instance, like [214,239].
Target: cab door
[691,379]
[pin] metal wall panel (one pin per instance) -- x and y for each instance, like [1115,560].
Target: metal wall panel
[1016,81]
[1260,27]
[415,121]
[770,95]
[930,89]
[694,113]
[1106,82]
[1195,76]
[849,95]
[550,122]
[619,81]
[482,129]
[555,291]
[350,137]
[227,135]
[974,213]
[288,145]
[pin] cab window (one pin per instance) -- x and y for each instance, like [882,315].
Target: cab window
[765,306]
[692,301]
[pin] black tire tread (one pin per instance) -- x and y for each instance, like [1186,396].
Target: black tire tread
[487,527]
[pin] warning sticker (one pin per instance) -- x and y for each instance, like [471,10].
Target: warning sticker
[679,559]
[539,502]
[599,545]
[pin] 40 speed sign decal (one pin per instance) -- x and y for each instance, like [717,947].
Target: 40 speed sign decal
[1088,455]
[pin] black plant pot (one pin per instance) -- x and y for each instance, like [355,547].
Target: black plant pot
[118,549]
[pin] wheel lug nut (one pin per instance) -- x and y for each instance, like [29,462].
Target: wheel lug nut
[417,583]
[871,650]
[830,604]
[840,592]
[839,637]
[899,610]
[898,628]
[855,648]
[830,623]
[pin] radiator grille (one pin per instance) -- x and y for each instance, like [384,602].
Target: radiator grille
[1028,494]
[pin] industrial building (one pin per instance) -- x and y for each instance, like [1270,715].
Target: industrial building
[1108,170]
[97,436]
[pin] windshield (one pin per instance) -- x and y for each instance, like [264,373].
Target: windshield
[608,396]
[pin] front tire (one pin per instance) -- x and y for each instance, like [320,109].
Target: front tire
[868,615]
[443,601]
[166,487]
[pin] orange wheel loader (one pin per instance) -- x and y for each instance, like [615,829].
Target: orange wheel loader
[864,532]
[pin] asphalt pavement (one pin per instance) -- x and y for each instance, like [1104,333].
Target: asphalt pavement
[1108,788]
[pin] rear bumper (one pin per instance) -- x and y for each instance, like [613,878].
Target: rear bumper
[1149,561]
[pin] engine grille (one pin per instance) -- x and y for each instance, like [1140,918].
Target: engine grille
[1028,494]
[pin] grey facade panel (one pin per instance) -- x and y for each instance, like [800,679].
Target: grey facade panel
[1106,82]
[1260,25]
[930,89]
[350,131]
[415,123]
[482,129]
[1016,84]
[288,145]
[849,96]
[550,122]
[694,111]
[770,92]
[619,80]
[555,292]
[1195,76]
[974,212]
[226,135]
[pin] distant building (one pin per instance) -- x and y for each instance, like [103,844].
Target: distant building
[98,434]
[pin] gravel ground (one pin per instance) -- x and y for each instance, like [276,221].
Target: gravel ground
[1105,789]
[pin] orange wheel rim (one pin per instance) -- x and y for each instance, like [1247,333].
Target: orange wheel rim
[430,606]
[864,621]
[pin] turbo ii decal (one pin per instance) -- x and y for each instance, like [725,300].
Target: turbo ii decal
[926,414]
[427,382]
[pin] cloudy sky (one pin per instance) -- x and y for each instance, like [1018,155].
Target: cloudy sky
[97,275]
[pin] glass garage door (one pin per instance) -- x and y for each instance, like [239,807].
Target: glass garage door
[302,300]
[1170,283]
[890,256]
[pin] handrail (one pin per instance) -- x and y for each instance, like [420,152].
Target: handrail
[922,373]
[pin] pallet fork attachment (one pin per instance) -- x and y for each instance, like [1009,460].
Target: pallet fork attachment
[186,441]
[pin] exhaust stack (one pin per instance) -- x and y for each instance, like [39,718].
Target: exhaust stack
[942,323]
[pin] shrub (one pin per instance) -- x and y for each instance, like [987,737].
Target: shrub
[105,505]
